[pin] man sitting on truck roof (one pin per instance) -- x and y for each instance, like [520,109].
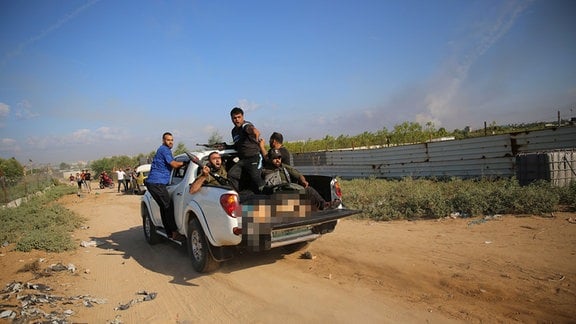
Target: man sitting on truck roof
[213,173]
[275,173]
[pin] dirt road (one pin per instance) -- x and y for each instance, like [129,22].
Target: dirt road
[505,269]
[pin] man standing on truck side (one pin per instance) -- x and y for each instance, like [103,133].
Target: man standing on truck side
[213,173]
[276,173]
[246,140]
[158,179]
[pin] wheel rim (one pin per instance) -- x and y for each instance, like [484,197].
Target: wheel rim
[196,245]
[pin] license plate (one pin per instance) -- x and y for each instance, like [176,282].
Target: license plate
[291,232]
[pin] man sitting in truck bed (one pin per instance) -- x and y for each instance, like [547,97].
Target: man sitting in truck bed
[213,173]
[275,173]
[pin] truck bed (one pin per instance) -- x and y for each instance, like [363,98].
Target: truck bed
[280,219]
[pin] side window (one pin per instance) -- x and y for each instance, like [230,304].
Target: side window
[178,174]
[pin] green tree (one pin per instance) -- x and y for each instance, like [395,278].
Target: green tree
[364,139]
[406,133]
[215,138]
[382,137]
[11,171]
[64,166]
[180,148]
[329,142]
[98,166]
[343,141]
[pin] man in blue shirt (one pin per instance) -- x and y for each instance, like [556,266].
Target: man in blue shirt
[158,179]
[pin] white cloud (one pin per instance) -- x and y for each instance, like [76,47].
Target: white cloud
[246,105]
[81,136]
[4,110]
[23,110]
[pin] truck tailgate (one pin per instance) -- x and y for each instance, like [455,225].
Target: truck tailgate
[317,217]
[265,234]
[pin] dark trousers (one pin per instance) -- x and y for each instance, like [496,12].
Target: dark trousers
[248,166]
[120,183]
[162,197]
[315,198]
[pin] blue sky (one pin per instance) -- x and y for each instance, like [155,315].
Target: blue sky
[81,80]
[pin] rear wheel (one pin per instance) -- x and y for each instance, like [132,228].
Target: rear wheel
[198,248]
[149,228]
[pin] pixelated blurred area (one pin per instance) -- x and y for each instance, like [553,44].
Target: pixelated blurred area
[260,213]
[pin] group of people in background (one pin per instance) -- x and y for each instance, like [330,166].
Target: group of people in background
[127,178]
[83,180]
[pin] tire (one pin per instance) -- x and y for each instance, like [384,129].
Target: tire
[199,249]
[295,247]
[101,185]
[149,228]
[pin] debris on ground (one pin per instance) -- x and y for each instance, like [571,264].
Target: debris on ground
[25,302]
[455,215]
[484,219]
[60,267]
[92,243]
[147,297]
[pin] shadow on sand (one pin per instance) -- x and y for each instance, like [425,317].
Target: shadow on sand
[172,259]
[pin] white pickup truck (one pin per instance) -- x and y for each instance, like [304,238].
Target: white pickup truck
[218,220]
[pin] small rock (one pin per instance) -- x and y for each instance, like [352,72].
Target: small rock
[8,314]
[307,255]
[90,243]
[150,296]
[58,267]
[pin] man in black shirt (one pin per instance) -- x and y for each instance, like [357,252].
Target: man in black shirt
[276,143]
[276,140]
[246,140]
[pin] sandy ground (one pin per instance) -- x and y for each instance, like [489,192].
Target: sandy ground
[507,269]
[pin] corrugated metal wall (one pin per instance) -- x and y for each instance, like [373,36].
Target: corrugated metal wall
[544,140]
[490,156]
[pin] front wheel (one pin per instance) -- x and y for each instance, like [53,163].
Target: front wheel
[198,248]
[102,185]
[149,228]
